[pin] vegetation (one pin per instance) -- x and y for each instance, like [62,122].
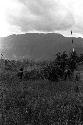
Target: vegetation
[41,97]
[53,70]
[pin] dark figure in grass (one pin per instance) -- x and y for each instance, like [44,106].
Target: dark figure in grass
[67,73]
[20,73]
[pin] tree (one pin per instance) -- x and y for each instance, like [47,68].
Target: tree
[81,58]
[73,61]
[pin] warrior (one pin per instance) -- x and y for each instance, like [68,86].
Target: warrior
[67,72]
[20,73]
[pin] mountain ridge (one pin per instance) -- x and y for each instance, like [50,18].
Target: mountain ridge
[38,46]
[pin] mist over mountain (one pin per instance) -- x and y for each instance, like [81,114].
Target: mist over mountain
[38,46]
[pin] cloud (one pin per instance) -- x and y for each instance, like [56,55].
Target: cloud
[39,15]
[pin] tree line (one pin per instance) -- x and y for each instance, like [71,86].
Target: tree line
[60,67]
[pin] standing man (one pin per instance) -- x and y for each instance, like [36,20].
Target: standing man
[20,73]
[66,72]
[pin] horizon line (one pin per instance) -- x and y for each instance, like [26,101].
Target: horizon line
[76,35]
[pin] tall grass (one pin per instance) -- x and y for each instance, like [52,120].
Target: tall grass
[38,100]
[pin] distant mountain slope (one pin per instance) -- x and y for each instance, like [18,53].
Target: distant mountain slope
[39,46]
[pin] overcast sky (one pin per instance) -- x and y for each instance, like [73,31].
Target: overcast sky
[20,16]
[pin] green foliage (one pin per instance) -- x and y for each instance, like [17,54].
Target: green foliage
[35,100]
[34,103]
[73,61]
[53,70]
[81,58]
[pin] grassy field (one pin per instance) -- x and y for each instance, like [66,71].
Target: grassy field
[40,102]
